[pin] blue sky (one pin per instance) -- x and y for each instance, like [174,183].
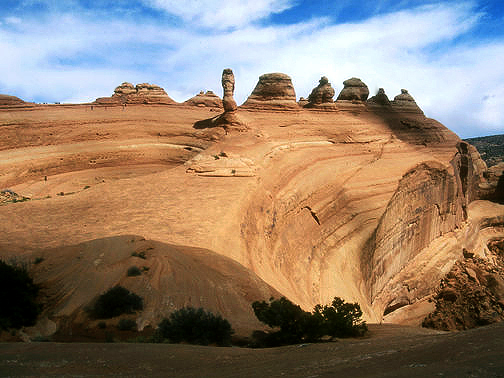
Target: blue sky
[448,54]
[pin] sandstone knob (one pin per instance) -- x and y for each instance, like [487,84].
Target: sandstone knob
[273,90]
[208,99]
[354,90]
[323,93]
[405,102]
[379,99]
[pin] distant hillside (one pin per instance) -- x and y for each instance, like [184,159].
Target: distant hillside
[491,148]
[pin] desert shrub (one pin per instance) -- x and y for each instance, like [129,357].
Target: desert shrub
[114,302]
[195,326]
[18,295]
[133,271]
[102,325]
[126,324]
[292,324]
[341,319]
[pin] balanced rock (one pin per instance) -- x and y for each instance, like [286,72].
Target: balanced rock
[354,90]
[205,99]
[323,93]
[229,119]
[10,100]
[273,90]
[404,102]
[380,98]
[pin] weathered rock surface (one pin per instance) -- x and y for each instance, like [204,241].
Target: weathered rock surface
[321,94]
[472,293]
[273,90]
[10,100]
[207,99]
[368,204]
[492,187]
[144,93]
[404,102]
[354,90]
[379,99]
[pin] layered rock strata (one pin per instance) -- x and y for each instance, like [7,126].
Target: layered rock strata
[10,100]
[273,90]
[354,90]
[323,93]
[144,93]
[404,102]
[379,99]
[205,99]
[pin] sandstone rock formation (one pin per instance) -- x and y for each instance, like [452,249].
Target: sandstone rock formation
[373,205]
[379,99]
[323,93]
[228,86]
[354,90]
[206,99]
[303,101]
[472,293]
[404,102]
[10,100]
[144,93]
[273,90]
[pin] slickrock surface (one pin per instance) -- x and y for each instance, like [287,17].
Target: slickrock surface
[354,90]
[144,93]
[208,99]
[368,204]
[273,90]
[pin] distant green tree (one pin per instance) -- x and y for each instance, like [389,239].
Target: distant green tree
[18,297]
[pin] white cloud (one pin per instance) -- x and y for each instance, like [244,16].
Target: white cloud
[71,57]
[221,14]
[12,20]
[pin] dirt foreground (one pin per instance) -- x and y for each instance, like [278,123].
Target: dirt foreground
[389,351]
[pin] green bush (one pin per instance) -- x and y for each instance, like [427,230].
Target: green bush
[294,325]
[18,295]
[126,324]
[195,326]
[116,301]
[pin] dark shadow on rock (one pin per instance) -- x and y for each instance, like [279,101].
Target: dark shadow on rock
[207,123]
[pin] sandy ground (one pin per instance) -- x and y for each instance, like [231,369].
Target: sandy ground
[389,351]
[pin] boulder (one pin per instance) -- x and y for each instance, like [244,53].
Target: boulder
[302,101]
[10,100]
[323,93]
[205,99]
[354,90]
[404,102]
[379,99]
[273,90]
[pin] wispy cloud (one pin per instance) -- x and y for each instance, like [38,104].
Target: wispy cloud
[223,14]
[74,54]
